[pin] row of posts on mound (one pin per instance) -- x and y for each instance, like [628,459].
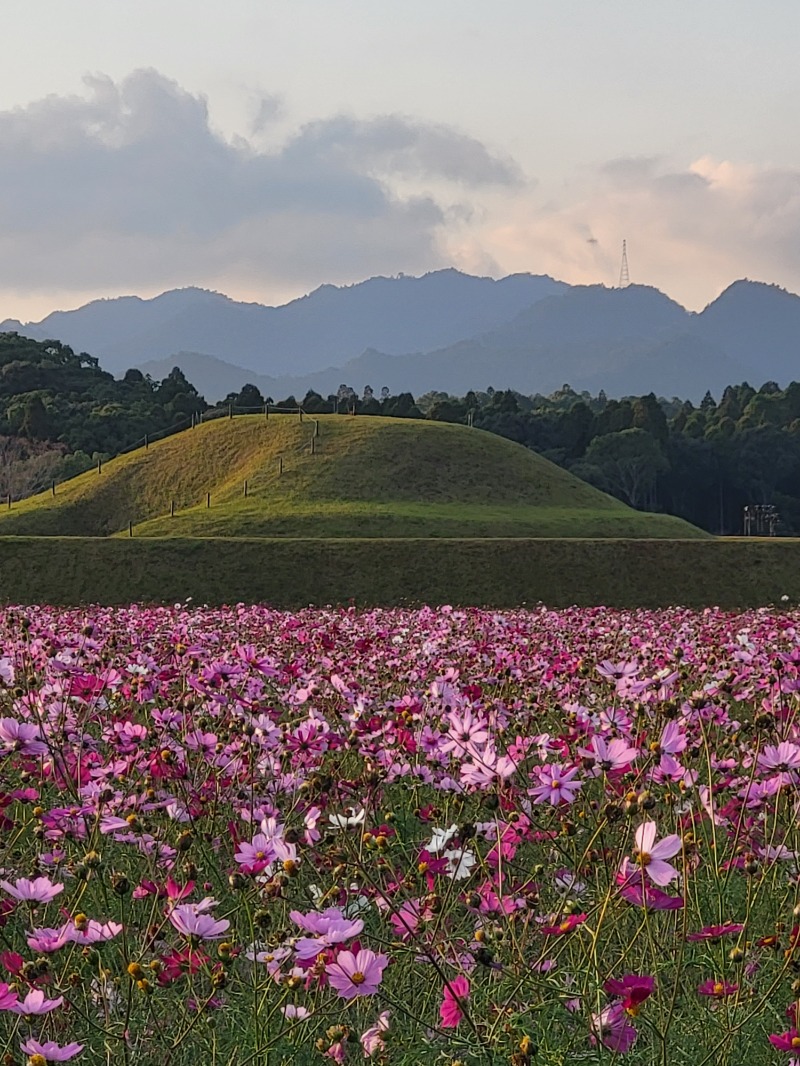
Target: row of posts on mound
[196,421]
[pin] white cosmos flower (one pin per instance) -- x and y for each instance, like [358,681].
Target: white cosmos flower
[459,863]
[343,821]
[440,839]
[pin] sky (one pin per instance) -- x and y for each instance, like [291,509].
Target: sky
[264,147]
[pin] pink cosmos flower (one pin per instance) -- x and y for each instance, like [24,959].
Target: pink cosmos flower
[51,1052]
[35,1003]
[47,940]
[717,989]
[189,920]
[556,784]
[612,1028]
[783,757]
[372,1039]
[257,855]
[465,732]
[652,856]
[356,975]
[455,993]
[633,890]
[22,737]
[610,755]
[40,890]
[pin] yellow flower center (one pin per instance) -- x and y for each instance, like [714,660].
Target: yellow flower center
[796,1041]
[642,857]
[358,978]
[554,783]
[565,926]
[718,988]
[37,1060]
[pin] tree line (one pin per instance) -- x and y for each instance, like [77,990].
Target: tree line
[59,413]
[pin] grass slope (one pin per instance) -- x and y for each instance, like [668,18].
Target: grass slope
[494,573]
[369,477]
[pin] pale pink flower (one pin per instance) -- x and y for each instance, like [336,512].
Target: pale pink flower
[372,1039]
[193,923]
[51,1052]
[35,1003]
[615,754]
[652,856]
[40,890]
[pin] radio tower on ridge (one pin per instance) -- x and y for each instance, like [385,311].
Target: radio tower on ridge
[624,276]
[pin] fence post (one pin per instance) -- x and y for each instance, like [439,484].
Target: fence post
[245,487]
[280,465]
[266,411]
[54,488]
[172,508]
[146,442]
[300,412]
[130,529]
[313,445]
[99,466]
[230,410]
[208,499]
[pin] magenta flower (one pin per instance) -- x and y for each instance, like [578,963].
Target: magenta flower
[35,1003]
[633,890]
[188,920]
[450,1009]
[716,932]
[717,989]
[572,921]
[257,855]
[51,1052]
[40,890]
[788,1041]
[356,975]
[632,988]
[556,784]
[652,856]
[7,997]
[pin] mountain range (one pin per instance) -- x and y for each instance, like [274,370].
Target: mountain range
[446,331]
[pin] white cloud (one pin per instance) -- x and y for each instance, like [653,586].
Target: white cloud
[128,186]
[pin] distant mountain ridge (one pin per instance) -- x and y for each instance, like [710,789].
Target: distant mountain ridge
[327,327]
[446,331]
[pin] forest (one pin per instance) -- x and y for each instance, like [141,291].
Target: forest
[60,412]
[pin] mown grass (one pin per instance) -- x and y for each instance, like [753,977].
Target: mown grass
[367,477]
[500,572]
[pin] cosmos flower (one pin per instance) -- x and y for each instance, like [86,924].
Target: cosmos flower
[40,890]
[455,994]
[356,975]
[612,1028]
[50,1051]
[717,989]
[188,920]
[652,856]
[556,784]
[35,1003]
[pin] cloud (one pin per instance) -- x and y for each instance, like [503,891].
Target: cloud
[128,186]
[690,230]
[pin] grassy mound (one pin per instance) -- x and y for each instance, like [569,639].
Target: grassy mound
[360,477]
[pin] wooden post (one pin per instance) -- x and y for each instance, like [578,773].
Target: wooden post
[230,410]
[99,466]
[300,412]
[313,445]
[266,411]
[54,488]
[316,427]
[130,529]
[245,487]
[208,499]
[172,508]
[280,465]
[146,441]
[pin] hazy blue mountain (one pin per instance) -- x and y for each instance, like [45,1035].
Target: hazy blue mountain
[322,329]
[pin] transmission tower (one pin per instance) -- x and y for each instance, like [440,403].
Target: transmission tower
[624,276]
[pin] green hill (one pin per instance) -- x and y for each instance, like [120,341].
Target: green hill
[366,477]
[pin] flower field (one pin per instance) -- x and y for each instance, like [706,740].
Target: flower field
[241,836]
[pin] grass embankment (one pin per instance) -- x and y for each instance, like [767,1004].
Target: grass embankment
[367,477]
[498,573]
